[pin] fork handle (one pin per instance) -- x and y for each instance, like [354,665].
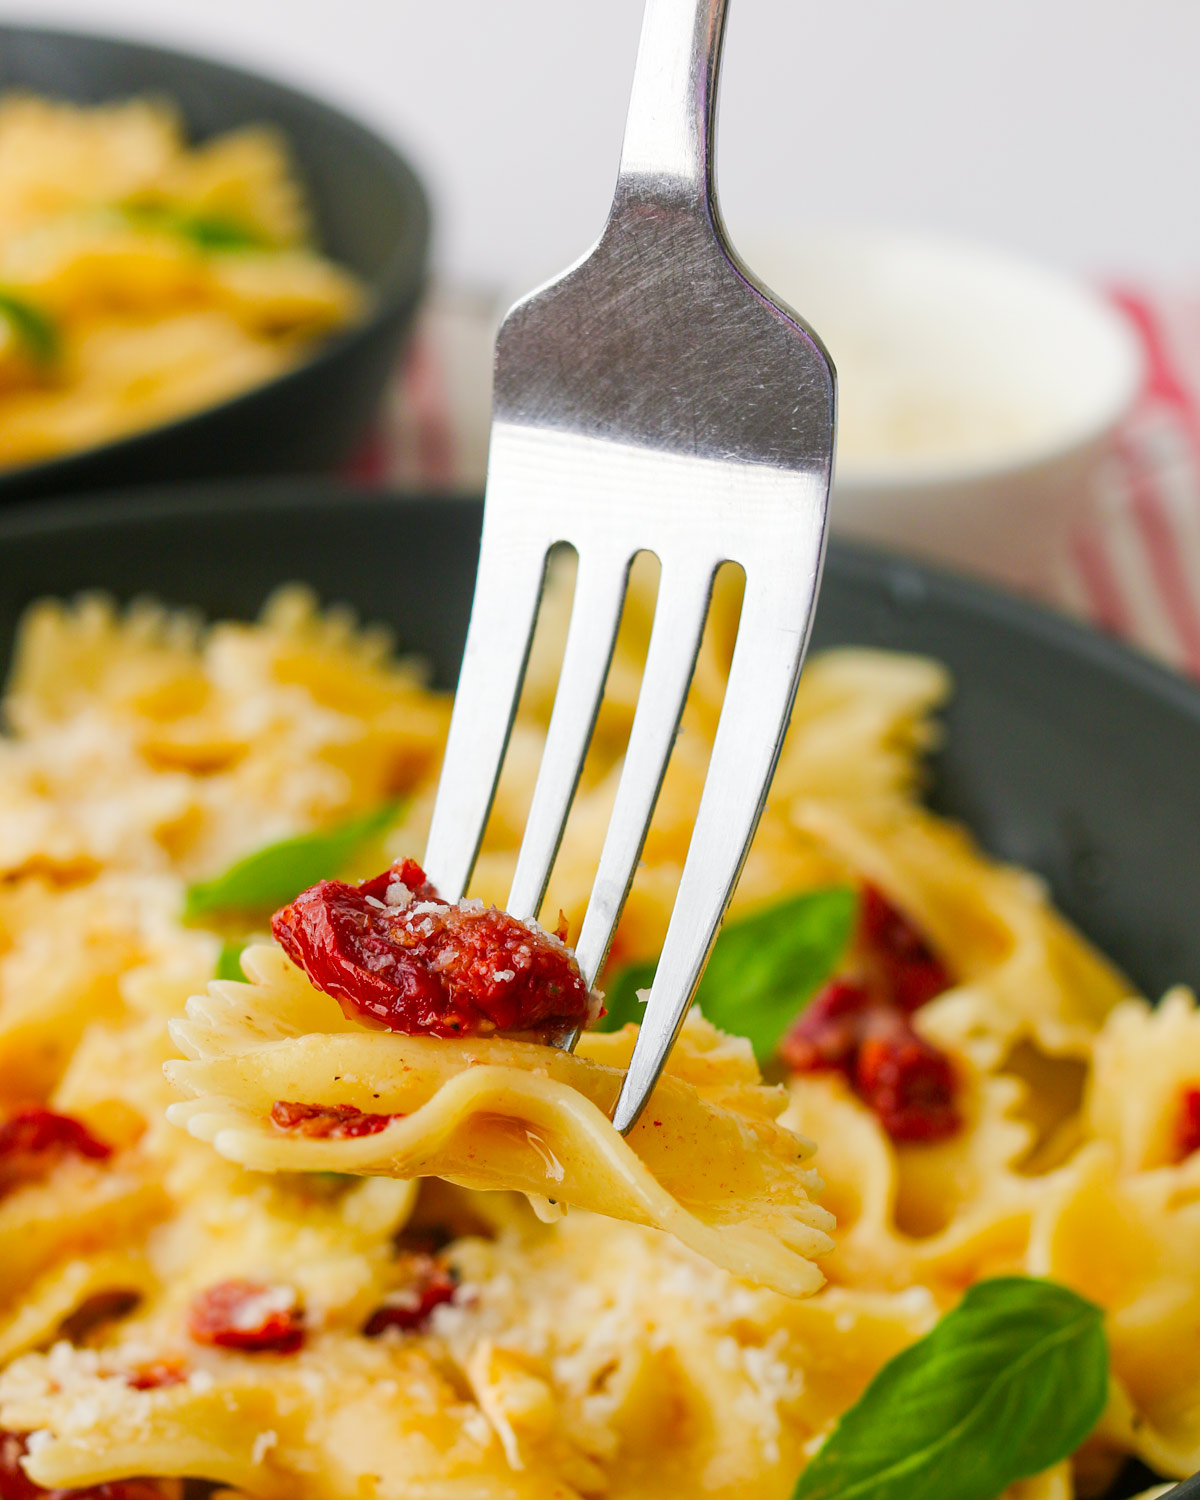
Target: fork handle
[670,129]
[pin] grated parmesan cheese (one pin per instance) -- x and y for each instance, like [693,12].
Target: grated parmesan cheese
[263,1444]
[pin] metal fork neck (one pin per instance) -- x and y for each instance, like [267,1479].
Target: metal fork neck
[669,133]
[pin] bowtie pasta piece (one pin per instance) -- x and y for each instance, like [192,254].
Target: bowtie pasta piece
[707,1162]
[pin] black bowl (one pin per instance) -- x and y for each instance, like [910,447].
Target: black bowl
[1064,751]
[371,215]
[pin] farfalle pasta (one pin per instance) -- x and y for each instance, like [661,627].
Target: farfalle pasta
[141,277]
[386,1265]
[707,1162]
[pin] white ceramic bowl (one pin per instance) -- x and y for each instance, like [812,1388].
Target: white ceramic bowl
[975,391]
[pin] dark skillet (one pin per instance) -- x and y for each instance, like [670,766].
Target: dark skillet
[371,215]
[1064,751]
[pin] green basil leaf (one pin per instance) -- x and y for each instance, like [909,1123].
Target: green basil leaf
[763,970]
[229,960]
[218,232]
[206,231]
[1009,1383]
[270,877]
[36,330]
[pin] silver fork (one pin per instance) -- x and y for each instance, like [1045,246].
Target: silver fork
[652,398]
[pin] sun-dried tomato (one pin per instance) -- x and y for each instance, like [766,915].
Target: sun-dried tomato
[1187,1127]
[826,1034]
[910,970]
[15,1484]
[906,1080]
[248,1316]
[158,1374]
[35,1139]
[860,1027]
[394,955]
[327,1121]
[431,1283]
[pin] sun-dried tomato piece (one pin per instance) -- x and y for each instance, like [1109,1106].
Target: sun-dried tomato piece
[1187,1127]
[910,970]
[826,1033]
[859,1027]
[15,1484]
[908,1083]
[906,1080]
[35,1139]
[327,1121]
[158,1374]
[248,1316]
[394,955]
[431,1283]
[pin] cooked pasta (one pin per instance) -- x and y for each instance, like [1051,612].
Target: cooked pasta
[142,278]
[483,1291]
[707,1162]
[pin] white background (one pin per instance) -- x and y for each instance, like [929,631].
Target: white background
[1066,128]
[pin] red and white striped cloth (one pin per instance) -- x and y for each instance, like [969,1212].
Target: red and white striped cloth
[1133,567]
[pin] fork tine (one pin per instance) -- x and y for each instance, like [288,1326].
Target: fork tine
[595,616]
[508,590]
[682,607]
[754,717]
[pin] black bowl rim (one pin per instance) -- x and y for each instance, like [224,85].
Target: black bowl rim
[852,560]
[396,288]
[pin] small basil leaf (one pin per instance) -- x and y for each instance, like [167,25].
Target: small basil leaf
[763,969]
[271,876]
[218,232]
[36,330]
[1009,1383]
[229,960]
[207,231]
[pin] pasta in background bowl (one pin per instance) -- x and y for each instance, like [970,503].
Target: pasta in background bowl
[142,278]
[292,1332]
[200,271]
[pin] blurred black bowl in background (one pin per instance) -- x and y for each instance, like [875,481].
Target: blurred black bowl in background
[370,214]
